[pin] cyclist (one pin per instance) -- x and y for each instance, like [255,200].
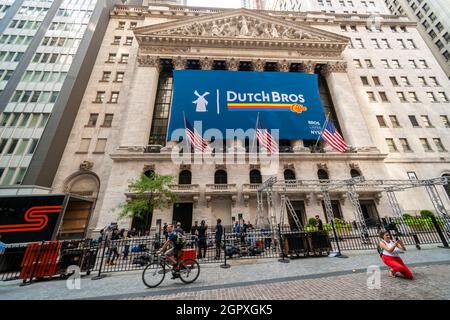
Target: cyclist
[177,240]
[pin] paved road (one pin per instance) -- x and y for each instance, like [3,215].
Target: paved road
[431,283]
[265,272]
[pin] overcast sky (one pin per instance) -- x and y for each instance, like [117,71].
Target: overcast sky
[215,3]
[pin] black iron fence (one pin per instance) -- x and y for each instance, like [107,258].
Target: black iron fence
[135,253]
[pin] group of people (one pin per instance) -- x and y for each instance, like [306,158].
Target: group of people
[110,236]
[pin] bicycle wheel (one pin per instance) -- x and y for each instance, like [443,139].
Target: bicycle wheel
[189,270]
[153,274]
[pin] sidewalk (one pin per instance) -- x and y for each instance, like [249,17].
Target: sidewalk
[241,273]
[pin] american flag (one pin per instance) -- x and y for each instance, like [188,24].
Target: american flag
[196,140]
[265,139]
[334,139]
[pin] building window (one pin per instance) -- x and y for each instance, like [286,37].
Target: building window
[359,44]
[414,121]
[12,146]
[111,58]
[396,64]
[106,76]
[124,58]
[401,96]
[383,96]
[161,110]
[119,76]
[117,40]
[426,121]
[114,97]
[381,122]
[431,97]
[405,81]
[423,64]
[121,25]
[255,176]
[425,144]
[438,143]
[289,175]
[365,81]
[401,44]
[376,81]
[423,81]
[355,173]
[107,122]
[100,146]
[445,121]
[375,44]
[413,96]
[129,41]
[411,44]
[394,81]
[357,63]
[92,120]
[220,177]
[443,96]
[322,174]
[405,145]
[394,121]
[385,64]
[100,97]
[434,82]
[413,64]
[369,63]
[185,177]
[133,25]
[391,145]
[84,145]
[371,96]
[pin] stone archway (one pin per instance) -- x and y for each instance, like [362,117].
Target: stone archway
[86,184]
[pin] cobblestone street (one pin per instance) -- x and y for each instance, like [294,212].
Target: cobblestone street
[432,282]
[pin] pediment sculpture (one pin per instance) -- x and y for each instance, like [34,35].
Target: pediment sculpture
[242,27]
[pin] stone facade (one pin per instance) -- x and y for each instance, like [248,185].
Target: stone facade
[315,42]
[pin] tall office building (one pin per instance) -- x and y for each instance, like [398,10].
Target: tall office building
[433,19]
[253,4]
[329,6]
[47,49]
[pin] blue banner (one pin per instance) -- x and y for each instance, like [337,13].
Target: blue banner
[287,101]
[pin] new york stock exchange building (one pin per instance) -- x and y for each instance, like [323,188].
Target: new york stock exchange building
[162,69]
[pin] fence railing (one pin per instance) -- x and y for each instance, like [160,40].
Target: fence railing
[135,253]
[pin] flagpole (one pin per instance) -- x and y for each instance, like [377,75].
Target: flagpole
[323,129]
[256,128]
[185,127]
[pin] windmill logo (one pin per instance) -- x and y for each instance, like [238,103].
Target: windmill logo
[200,102]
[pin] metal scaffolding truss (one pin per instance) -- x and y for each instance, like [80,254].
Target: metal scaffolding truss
[273,187]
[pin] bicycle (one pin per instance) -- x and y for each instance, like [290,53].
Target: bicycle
[155,272]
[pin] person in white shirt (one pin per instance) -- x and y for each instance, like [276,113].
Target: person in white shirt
[391,257]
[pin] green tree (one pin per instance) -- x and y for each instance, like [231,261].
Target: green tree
[149,193]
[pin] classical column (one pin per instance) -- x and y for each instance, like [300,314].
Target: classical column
[284,66]
[308,67]
[233,64]
[141,102]
[346,105]
[258,65]
[206,64]
[179,63]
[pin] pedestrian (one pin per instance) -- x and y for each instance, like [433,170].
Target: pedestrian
[112,246]
[202,241]
[124,236]
[2,246]
[179,228]
[218,237]
[319,223]
[165,232]
[194,234]
[390,255]
[237,228]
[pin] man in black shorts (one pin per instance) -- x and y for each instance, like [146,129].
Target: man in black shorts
[173,254]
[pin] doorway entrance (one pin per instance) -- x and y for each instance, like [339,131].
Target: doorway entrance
[337,211]
[370,212]
[299,208]
[182,212]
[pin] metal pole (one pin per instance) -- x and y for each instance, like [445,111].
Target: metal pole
[329,213]
[280,240]
[100,275]
[224,265]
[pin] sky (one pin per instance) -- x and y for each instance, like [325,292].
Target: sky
[215,3]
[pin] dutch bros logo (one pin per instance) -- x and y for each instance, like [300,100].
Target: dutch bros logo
[265,101]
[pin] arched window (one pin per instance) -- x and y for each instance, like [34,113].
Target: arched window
[289,174]
[447,186]
[220,177]
[149,173]
[322,174]
[355,173]
[255,176]
[185,177]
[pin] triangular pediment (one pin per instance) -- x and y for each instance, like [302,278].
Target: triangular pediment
[241,24]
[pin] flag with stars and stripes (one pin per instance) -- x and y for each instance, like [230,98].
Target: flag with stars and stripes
[195,139]
[265,138]
[333,138]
